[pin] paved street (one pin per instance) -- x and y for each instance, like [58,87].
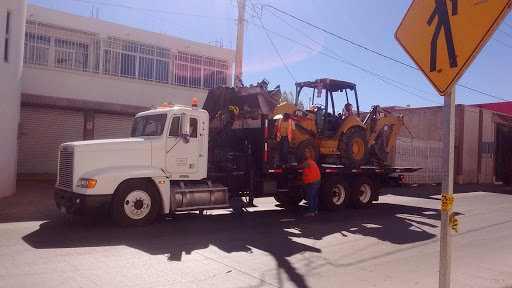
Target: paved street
[394,243]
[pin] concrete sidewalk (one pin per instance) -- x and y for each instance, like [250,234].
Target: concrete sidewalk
[33,201]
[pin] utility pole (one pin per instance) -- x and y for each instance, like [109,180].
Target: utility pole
[239,43]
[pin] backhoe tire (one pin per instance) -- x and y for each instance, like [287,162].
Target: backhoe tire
[306,147]
[334,194]
[135,203]
[353,147]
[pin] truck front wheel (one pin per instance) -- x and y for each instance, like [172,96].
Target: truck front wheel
[135,203]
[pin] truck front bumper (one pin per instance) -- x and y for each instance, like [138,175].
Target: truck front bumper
[80,204]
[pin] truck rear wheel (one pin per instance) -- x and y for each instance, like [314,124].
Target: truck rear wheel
[289,198]
[135,203]
[334,194]
[363,191]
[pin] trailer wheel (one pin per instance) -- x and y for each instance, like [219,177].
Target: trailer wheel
[334,194]
[135,203]
[307,149]
[363,191]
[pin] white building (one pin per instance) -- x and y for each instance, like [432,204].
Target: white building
[79,78]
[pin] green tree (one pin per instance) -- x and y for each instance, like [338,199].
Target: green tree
[288,97]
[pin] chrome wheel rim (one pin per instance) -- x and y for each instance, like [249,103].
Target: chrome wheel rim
[137,204]
[365,192]
[338,194]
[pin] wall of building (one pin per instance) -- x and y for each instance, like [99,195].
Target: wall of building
[12,38]
[470,145]
[104,89]
[105,29]
[85,79]
[475,134]
[53,69]
[424,123]
[488,143]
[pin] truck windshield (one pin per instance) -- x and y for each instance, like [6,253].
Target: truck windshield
[150,125]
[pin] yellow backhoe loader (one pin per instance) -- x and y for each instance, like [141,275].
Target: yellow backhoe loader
[330,137]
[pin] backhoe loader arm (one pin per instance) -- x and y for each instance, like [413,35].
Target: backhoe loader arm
[377,120]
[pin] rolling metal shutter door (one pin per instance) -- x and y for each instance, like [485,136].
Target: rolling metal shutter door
[43,131]
[112,126]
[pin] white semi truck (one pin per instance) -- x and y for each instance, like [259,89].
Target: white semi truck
[171,164]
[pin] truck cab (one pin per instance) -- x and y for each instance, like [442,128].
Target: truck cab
[159,169]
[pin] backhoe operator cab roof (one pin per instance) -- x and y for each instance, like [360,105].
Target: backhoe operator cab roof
[330,86]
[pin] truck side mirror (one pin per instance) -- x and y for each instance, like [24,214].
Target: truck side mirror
[185,127]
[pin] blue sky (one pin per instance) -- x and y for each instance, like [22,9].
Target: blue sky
[370,23]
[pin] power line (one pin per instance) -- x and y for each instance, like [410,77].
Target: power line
[152,10]
[277,50]
[503,43]
[380,77]
[345,60]
[368,49]
[506,24]
[501,30]
[342,38]
[496,97]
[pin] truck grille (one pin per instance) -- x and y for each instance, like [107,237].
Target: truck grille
[66,168]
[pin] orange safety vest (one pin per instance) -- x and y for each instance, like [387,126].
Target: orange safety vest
[288,129]
[311,174]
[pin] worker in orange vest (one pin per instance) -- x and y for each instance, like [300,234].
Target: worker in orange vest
[284,136]
[311,177]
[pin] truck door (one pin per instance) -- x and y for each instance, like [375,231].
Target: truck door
[182,156]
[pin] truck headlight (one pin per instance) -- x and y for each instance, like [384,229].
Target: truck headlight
[86,183]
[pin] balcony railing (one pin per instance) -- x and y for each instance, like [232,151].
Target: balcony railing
[48,45]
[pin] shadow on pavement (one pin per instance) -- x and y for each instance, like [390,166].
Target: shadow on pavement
[427,191]
[243,231]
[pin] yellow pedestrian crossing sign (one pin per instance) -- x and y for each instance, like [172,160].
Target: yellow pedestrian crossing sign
[444,36]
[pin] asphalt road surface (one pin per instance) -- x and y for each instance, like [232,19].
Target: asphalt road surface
[394,243]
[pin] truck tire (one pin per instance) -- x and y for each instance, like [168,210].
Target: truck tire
[135,203]
[334,195]
[307,147]
[289,199]
[362,192]
[353,147]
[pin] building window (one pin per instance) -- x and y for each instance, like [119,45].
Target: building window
[197,71]
[136,60]
[71,54]
[37,49]
[66,48]
[7,36]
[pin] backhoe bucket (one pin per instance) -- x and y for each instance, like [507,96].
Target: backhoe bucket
[259,100]
[251,100]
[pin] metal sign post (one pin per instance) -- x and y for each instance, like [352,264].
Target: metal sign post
[447,189]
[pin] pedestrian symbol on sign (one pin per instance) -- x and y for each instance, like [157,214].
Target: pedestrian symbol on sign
[443,21]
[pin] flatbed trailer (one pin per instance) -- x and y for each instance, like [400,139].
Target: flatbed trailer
[253,173]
